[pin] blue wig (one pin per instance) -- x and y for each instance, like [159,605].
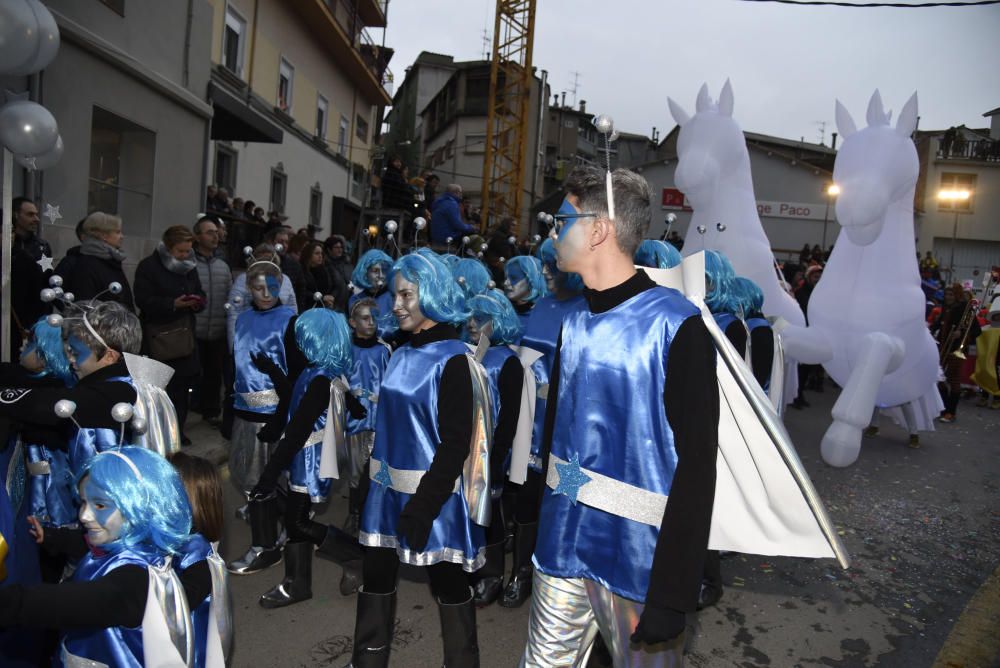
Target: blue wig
[449,259]
[48,345]
[325,340]
[547,254]
[494,306]
[438,294]
[748,296]
[719,276]
[526,266]
[472,277]
[359,277]
[657,255]
[154,505]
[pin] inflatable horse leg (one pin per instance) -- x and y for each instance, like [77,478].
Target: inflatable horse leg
[806,345]
[879,354]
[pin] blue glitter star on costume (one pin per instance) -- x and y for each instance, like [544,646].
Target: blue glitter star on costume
[383,477]
[571,478]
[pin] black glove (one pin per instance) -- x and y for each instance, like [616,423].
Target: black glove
[264,363]
[415,528]
[356,409]
[658,625]
[271,431]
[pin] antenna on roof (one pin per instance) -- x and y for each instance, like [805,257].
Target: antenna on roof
[576,86]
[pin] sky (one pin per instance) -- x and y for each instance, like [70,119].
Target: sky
[787,64]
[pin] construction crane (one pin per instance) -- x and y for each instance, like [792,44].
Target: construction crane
[508,120]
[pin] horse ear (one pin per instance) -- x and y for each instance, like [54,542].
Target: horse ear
[907,121]
[678,113]
[876,114]
[704,102]
[844,121]
[726,100]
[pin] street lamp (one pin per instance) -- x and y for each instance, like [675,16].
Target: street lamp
[954,197]
[832,191]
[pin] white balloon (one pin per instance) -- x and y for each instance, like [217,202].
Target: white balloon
[43,161]
[115,287]
[122,412]
[54,320]
[46,40]
[391,226]
[65,408]
[18,35]
[47,295]
[55,281]
[139,425]
[69,297]
[420,223]
[28,128]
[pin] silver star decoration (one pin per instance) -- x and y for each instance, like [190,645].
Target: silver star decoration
[52,213]
[11,96]
[45,263]
[30,164]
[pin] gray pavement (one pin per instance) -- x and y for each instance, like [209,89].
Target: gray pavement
[922,527]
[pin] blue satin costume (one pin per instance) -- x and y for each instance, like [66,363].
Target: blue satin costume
[259,332]
[88,441]
[51,495]
[611,422]
[195,550]
[542,334]
[116,646]
[387,324]
[493,362]
[366,380]
[303,474]
[406,438]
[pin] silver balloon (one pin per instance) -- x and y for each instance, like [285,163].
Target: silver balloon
[460,280]
[69,297]
[317,296]
[44,41]
[465,240]
[54,320]
[122,412]
[55,281]
[492,284]
[479,254]
[58,291]
[512,240]
[613,136]
[502,259]
[247,251]
[139,425]
[27,128]
[604,124]
[701,229]
[671,218]
[43,161]
[390,235]
[238,300]
[484,247]
[420,223]
[115,288]
[47,295]
[721,227]
[541,216]
[536,238]
[391,226]
[65,408]
[279,248]
[227,306]
[449,240]
[18,35]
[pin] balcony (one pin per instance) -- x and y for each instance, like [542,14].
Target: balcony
[372,12]
[339,25]
[979,150]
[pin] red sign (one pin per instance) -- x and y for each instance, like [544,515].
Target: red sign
[674,199]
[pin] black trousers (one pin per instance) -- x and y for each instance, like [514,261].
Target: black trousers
[212,355]
[529,498]
[178,391]
[380,572]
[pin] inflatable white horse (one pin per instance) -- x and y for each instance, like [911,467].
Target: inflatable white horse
[714,174]
[866,315]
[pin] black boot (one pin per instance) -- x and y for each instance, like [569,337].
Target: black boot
[519,588]
[373,630]
[338,547]
[711,581]
[350,577]
[353,521]
[297,585]
[264,550]
[458,633]
[489,584]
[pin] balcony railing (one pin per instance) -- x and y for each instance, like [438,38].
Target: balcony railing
[374,55]
[957,148]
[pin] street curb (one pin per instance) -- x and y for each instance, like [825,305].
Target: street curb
[974,640]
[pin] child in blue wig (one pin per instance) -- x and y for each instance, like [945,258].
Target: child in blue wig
[525,283]
[370,279]
[472,276]
[656,254]
[750,300]
[557,282]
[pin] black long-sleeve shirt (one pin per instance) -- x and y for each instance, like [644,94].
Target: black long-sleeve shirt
[509,384]
[691,401]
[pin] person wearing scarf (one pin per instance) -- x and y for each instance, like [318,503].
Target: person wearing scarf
[168,290]
[99,262]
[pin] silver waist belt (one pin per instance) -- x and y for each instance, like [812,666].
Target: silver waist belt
[39,468]
[613,496]
[74,661]
[260,399]
[404,480]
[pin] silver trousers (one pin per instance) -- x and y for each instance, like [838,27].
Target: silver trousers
[566,616]
[247,454]
[359,449]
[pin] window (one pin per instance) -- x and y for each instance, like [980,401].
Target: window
[475,143]
[315,205]
[958,181]
[286,76]
[225,167]
[122,155]
[322,111]
[279,186]
[233,41]
[361,128]
[342,132]
[358,183]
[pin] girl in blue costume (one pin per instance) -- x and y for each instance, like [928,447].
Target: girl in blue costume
[722,300]
[136,518]
[657,254]
[493,312]
[369,277]
[472,276]
[267,359]
[415,511]
[315,417]
[750,300]
[525,284]
[538,346]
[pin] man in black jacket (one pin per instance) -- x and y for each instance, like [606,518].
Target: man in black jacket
[31,267]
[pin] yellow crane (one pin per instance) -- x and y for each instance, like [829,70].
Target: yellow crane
[508,120]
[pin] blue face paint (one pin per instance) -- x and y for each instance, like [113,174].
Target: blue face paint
[273,285]
[515,274]
[566,209]
[100,515]
[79,350]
